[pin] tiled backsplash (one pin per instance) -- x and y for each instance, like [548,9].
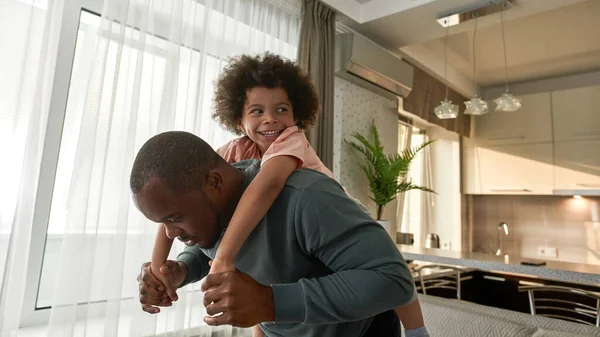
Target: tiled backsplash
[568,224]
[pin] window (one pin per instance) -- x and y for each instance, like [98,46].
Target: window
[412,215]
[437,167]
[92,111]
[15,78]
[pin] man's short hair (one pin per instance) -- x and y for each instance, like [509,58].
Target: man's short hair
[180,159]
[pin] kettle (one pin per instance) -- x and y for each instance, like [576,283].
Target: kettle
[405,238]
[432,241]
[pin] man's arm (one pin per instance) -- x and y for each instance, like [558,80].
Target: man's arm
[196,262]
[369,275]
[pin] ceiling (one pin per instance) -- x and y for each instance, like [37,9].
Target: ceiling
[544,38]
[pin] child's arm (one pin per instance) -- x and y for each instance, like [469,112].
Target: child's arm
[254,204]
[160,253]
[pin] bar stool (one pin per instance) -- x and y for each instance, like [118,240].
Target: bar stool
[576,305]
[435,276]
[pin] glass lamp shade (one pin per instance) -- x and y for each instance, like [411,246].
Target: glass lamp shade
[446,110]
[476,106]
[507,102]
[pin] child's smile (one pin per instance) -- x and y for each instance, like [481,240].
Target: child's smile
[267,113]
[271,135]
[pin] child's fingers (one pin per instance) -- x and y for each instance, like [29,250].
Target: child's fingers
[151,293]
[172,293]
[148,278]
[167,267]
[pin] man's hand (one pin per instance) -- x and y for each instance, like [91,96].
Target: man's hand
[243,301]
[152,293]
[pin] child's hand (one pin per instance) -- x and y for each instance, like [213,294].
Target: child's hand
[220,266]
[172,274]
[152,291]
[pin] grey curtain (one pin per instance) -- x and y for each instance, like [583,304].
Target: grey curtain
[316,57]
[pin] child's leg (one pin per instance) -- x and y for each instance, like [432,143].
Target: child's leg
[411,317]
[257,332]
[160,253]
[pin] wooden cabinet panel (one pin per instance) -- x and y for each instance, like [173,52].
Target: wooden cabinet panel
[576,113]
[472,183]
[577,164]
[426,94]
[496,290]
[509,169]
[531,124]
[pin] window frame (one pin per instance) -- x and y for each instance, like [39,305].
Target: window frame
[403,123]
[407,199]
[30,315]
[404,198]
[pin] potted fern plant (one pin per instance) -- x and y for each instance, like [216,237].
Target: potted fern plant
[386,173]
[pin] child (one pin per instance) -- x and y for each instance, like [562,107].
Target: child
[270,101]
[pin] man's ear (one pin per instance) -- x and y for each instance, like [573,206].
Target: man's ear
[214,182]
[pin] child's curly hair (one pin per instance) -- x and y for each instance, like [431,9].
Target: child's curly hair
[270,71]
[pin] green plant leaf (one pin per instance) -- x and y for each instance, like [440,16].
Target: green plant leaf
[405,186]
[386,174]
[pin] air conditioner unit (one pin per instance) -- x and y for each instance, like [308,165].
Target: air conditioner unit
[370,66]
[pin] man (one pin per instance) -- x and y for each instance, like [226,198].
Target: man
[316,265]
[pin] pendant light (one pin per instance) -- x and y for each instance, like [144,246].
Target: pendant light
[506,102]
[475,106]
[446,109]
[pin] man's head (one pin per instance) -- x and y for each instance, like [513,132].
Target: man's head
[179,180]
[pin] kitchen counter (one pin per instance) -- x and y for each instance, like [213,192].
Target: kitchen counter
[555,270]
[435,272]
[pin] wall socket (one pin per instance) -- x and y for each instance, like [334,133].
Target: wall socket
[547,251]
[446,245]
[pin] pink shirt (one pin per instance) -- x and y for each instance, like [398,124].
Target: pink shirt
[292,142]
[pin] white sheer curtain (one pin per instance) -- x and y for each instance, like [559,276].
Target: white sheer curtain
[141,68]
[427,199]
[416,216]
[29,32]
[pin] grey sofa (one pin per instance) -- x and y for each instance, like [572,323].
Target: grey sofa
[453,318]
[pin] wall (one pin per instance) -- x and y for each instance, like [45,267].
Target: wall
[354,109]
[571,225]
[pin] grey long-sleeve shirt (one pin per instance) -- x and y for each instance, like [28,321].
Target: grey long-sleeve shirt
[330,265]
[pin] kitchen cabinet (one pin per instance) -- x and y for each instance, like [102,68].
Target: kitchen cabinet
[576,113]
[551,143]
[577,164]
[496,290]
[531,124]
[508,169]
